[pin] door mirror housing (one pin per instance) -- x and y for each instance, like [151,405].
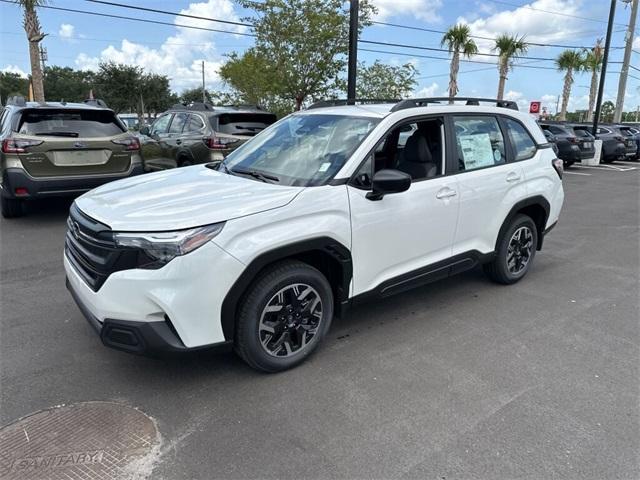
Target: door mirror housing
[144,131]
[388,181]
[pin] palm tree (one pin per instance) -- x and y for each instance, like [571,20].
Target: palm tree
[593,64]
[508,47]
[569,61]
[34,35]
[458,41]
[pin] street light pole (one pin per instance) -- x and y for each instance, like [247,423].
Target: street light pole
[603,74]
[353,52]
[622,83]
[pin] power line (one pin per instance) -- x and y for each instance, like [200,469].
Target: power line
[156,22]
[552,12]
[431,30]
[165,12]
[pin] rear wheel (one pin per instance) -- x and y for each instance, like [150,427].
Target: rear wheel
[184,162]
[11,207]
[283,317]
[515,252]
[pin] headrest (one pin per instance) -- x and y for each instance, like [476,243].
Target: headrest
[417,150]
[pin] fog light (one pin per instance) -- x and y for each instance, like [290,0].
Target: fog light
[21,191]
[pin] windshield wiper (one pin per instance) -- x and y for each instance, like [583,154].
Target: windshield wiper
[264,177]
[57,134]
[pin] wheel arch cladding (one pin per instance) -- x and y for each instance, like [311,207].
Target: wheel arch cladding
[537,208]
[324,253]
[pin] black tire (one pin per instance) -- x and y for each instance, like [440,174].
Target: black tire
[498,270]
[184,162]
[568,163]
[253,348]
[11,207]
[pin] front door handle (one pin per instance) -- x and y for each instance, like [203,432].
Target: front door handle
[446,193]
[513,177]
[178,142]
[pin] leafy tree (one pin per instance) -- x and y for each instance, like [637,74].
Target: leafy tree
[593,63]
[509,47]
[12,84]
[385,81]
[154,94]
[119,86]
[192,95]
[458,40]
[569,61]
[34,33]
[64,83]
[304,43]
[606,111]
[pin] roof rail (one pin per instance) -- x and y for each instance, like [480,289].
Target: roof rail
[339,102]
[244,105]
[17,100]
[423,102]
[96,102]
[199,106]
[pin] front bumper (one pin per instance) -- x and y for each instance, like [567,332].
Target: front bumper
[173,309]
[13,178]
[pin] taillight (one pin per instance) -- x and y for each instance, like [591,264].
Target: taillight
[218,143]
[572,139]
[131,144]
[620,139]
[558,166]
[11,145]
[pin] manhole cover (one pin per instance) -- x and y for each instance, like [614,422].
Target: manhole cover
[94,440]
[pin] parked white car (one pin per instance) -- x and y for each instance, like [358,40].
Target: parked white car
[324,208]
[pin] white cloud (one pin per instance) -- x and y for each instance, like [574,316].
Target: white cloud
[430,91]
[14,69]
[67,31]
[425,10]
[636,43]
[180,56]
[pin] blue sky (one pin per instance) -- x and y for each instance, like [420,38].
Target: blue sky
[82,41]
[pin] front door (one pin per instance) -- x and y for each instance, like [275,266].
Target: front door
[402,239]
[153,145]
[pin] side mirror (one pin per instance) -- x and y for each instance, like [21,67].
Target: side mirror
[144,131]
[388,181]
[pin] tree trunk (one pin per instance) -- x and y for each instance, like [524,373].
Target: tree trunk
[592,94]
[503,70]
[453,75]
[299,100]
[34,35]
[566,92]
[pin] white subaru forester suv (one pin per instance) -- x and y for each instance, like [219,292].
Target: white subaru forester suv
[324,208]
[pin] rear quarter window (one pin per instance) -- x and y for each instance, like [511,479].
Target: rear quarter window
[523,145]
[69,123]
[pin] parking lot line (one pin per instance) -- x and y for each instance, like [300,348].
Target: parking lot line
[577,173]
[608,167]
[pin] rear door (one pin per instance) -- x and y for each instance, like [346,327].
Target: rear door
[70,142]
[154,146]
[174,138]
[488,185]
[193,136]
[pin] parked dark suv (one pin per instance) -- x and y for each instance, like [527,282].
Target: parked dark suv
[573,146]
[199,133]
[632,141]
[635,131]
[614,146]
[57,148]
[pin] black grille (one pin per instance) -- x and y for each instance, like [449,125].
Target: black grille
[90,248]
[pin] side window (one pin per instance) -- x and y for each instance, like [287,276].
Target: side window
[179,119]
[194,124]
[161,124]
[416,148]
[479,142]
[523,145]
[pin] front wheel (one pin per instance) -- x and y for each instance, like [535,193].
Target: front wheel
[11,207]
[283,317]
[515,252]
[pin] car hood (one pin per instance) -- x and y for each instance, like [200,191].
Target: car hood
[181,198]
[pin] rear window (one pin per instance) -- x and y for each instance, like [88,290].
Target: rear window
[582,133]
[69,123]
[242,123]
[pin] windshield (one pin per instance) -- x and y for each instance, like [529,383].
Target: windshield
[300,150]
[69,123]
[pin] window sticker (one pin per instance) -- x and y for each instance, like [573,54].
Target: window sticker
[477,151]
[324,167]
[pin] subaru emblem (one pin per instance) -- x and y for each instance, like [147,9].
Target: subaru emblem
[79,145]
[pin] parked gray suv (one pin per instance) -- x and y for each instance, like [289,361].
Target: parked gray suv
[199,133]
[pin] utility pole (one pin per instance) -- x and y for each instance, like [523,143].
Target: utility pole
[204,95]
[605,60]
[622,83]
[353,52]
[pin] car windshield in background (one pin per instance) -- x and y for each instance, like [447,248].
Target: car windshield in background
[301,150]
[69,123]
[248,124]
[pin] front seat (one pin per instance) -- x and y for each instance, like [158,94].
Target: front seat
[416,158]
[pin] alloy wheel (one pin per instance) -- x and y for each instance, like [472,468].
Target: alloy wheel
[520,249]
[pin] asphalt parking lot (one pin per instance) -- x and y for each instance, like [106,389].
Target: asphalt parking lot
[460,379]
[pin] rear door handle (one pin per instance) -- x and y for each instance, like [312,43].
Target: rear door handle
[446,193]
[178,142]
[513,177]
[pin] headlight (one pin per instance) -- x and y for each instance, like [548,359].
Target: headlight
[162,247]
